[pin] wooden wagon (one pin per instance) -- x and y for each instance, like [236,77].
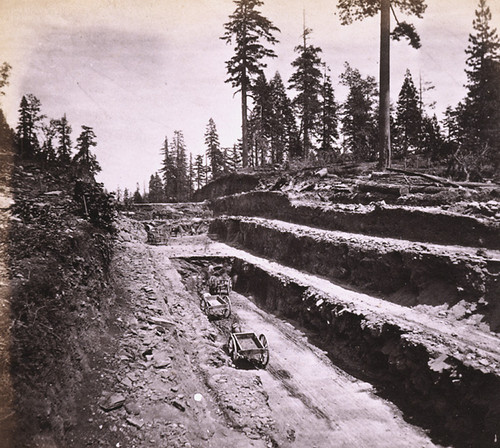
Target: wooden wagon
[249,347]
[158,235]
[219,285]
[216,305]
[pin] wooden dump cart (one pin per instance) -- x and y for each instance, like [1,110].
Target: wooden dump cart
[216,305]
[249,347]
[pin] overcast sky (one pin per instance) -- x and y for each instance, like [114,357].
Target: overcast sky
[136,70]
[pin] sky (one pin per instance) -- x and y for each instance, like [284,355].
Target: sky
[137,70]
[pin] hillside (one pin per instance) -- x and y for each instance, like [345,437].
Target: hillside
[58,254]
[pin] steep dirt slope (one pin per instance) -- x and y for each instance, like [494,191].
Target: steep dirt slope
[57,273]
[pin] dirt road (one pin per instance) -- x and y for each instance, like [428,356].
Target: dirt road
[179,387]
[314,400]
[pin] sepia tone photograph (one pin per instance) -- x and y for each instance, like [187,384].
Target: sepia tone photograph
[249,223]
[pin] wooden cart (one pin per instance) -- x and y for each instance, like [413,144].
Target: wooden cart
[219,285]
[158,235]
[216,305]
[250,347]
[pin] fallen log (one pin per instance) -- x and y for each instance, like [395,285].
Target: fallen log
[438,179]
[374,187]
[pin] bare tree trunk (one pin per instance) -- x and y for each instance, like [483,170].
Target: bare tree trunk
[244,124]
[384,129]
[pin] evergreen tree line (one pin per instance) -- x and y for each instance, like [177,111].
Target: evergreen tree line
[304,121]
[310,124]
[49,142]
[181,174]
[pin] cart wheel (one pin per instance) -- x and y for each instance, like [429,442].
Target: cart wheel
[264,357]
[231,348]
[227,311]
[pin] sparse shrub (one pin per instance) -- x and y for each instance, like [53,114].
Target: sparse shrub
[95,204]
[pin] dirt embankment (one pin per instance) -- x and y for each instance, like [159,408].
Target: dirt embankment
[441,374]
[404,273]
[459,403]
[58,267]
[432,225]
[230,184]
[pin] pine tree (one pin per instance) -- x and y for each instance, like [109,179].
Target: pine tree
[86,162]
[247,28]
[260,121]
[126,197]
[328,118]
[480,118]
[358,115]
[351,10]
[30,122]
[226,153]
[168,170]
[199,172]
[181,167]
[233,158]
[431,139]
[63,133]
[306,81]
[137,197]
[284,134]
[213,150]
[155,189]
[4,77]
[191,177]
[408,122]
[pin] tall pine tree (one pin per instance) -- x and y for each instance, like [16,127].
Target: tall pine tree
[328,132]
[408,122]
[181,167]
[190,177]
[168,171]
[358,114]
[306,81]
[260,121]
[351,10]
[30,122]
[480,118]
[247,28]
[213,150]
[86,162]
[63,134]
[284,134]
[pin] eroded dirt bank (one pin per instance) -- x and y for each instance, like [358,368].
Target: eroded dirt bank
[405,273]
[442,374]
[430,224]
